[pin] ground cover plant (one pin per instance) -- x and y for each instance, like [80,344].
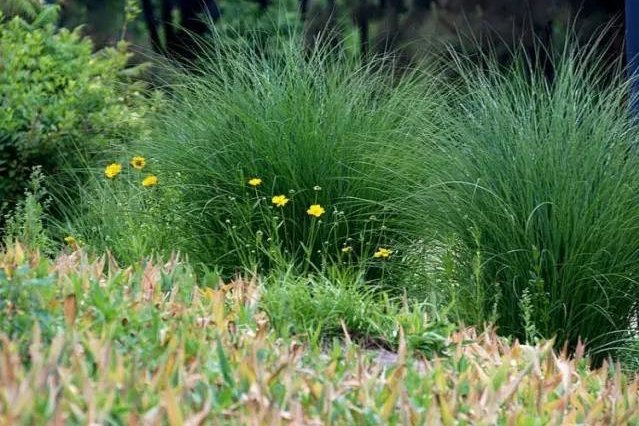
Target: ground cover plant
[535,185]
[154,343]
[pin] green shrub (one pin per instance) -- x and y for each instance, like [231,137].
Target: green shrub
[538,185]
[25,8]
[313,128]
[60,100]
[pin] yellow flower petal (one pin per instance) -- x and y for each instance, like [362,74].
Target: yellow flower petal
[150,180]
[315,210]
[280,200]
[138,162]
[112,170]
[382,253]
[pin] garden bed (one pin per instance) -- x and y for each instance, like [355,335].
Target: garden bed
[84,340]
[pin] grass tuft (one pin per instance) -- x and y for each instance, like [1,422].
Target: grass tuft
[536,181]
[312,126]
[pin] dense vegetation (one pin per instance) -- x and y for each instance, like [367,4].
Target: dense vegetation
[152,344]
[346,239]
[61,101]
[246,146]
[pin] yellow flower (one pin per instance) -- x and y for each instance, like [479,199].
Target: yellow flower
[382,253]
[112,170]
[150,180]
[138,162]
[347,249]
[280,200]
[255,182]
[315,210]
[70,240]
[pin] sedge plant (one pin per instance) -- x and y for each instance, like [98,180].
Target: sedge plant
[280,155]
[537,183]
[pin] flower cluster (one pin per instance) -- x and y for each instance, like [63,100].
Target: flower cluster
[138,162]
[316,211]
[281,200]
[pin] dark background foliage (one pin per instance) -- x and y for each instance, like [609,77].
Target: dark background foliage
[413,27]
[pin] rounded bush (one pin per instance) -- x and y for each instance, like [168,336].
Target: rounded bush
[60,100]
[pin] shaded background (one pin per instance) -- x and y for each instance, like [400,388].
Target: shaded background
[412,28]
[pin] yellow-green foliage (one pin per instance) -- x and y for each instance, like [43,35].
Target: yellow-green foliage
[26,8]
[57,94]
[149,345]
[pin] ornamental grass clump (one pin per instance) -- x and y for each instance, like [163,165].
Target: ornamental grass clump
[539,187]
[289,142]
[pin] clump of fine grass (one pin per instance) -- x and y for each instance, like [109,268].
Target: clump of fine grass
[538,184]
[313,126]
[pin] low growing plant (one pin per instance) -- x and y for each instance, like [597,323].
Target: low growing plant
[327,306]
[151,342]
[26,223]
